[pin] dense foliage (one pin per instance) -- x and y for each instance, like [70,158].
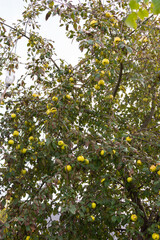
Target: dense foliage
[82,141]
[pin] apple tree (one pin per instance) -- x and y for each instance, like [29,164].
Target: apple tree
[81,142]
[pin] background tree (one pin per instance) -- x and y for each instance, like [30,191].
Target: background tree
[82,141]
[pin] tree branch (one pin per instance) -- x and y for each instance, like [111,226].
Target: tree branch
[119,80]
[3,94]
[148,118]
[55,64]
[24,35]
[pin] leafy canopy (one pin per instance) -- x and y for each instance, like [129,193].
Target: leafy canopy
[82,142]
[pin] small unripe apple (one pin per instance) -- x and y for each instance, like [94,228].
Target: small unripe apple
[153,168]
[93,218]
[102,152]
[139,163]
[68,168]
[23,171]
[86,161]
[24,150]
[13,115]
[60,143]
[129,179]
[93,205]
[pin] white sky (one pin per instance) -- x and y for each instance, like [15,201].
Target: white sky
[11,10]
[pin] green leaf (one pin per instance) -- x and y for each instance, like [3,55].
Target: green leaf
[134,5]
[142,13]
[131,20]
[156,6]
[129,49]
[158,203]
[72,208]
[48,15]
[145,13]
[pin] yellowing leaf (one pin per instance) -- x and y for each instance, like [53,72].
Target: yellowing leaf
[131,20]
[142,13]
[134,4]
[3,215]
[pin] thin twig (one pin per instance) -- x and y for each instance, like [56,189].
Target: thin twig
[140,24]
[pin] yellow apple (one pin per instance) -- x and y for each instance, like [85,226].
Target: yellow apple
[102,152]
[68,96]
[93,218]
[108,15]
[18,146]
[86,161]
[71,79]
[93,205]
[68,168]
[105,61]
[117,39]
[101,82]
[28,238]
[134,217]
[54,98]
[110,96]
[153,168]
[114,151]
[15,133]
[31,138]
[109,73]
[13,115]
[158,172]
[60,143]
[64,146]
[128,139]
[96,87]
[10,142]
[139,163]
[80,159]
[24,150]
[34,95]
[129,179]
[155,236]
[93,23]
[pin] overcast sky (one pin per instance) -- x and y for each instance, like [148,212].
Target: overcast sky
[11,10]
